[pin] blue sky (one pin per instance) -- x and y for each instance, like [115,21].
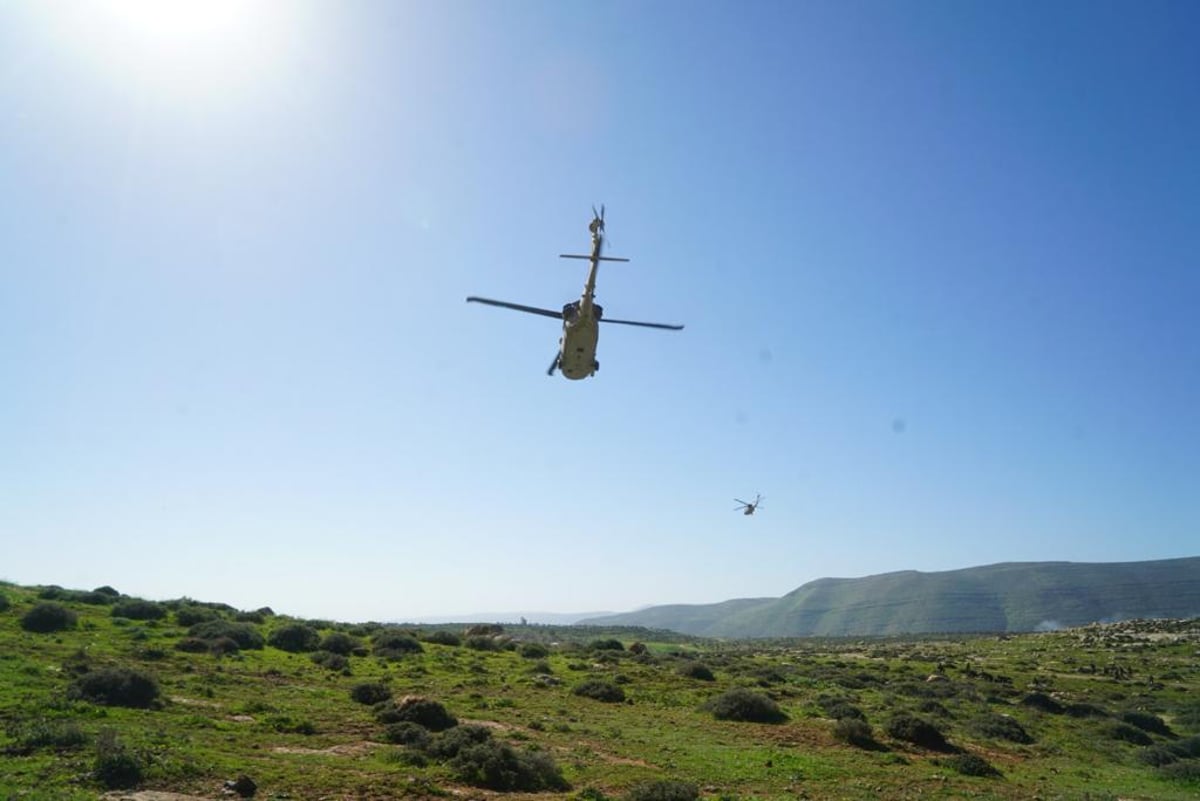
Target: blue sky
[936,260]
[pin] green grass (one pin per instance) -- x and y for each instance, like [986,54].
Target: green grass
[292,726]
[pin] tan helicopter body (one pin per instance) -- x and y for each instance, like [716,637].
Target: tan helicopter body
[576,356]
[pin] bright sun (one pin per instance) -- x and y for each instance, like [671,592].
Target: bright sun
[180,22]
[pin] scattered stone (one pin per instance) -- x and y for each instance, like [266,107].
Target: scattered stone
[243,786]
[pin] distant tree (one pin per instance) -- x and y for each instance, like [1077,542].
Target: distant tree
[339,642]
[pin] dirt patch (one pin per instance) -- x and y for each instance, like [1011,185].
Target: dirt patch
[344,749]
[153,795]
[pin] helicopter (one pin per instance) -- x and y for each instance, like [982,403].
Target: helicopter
[748,508]
[576,357]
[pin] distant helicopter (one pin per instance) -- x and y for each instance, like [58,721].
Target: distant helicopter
[748,508]
[576,357]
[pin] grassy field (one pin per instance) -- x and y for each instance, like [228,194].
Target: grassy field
[110,697]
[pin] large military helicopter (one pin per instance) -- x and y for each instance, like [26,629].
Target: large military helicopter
[576,356]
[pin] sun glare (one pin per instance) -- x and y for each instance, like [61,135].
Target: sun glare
[179,22]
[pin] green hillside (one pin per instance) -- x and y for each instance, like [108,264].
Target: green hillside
[103,696]
[1008,597]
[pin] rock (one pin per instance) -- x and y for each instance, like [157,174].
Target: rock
[243,786]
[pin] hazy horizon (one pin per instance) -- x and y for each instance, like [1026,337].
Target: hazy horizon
[936,264]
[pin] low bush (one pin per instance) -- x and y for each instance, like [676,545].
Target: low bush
[339,642]
[295,638]
[395,645]
[48,617]
[970,765]
[116,686]
[745,705]
[4,602]
[856,732]
[663,790]
[447,744]
[443,637]
[696,670]
[115,767]
[1128,734]
[56,735]
[1043,703]
[1085,711]
[606,645]
[918,731]
[838,708]
[415,709]
[191,614]
[1188,771]
[408,733]
[244,634]
[533,650]
[497,766]
[139,609]
[600,691]
[331,661]
[370,692]
[1000,727]
[482,642]
[1147,722]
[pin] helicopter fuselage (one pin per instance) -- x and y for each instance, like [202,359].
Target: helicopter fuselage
[576,357]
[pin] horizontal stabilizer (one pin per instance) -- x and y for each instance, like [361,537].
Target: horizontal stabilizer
[589,258]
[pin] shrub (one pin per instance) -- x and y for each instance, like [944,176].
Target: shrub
[745,705]
[4,602]
[1147,722]
[331,661]
[970,765]
[370,693]
[838,708]
[42,733]
[1043,702]
[408,733]
[856,732]
[497,766]
[339,642]
[222,646]
[107,590]
[116,686]
[696,670]
[192,645]
[90,598]
[663,790]
[1001,727]
[482,642]
[395,645]
[448,743]
[295,638]
[115,767]
[422,711]
[139,609]
[48,617]
[533,650]
[1129,734]
[190,615]
[443,637]
[1188,771]
[1085,711]
[606,645]
[244,634]
[600,691]
[917,731]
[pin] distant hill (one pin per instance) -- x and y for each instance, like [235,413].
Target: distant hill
[1007,597]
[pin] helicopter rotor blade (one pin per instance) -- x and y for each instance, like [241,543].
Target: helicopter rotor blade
[517,307]
[554,364]
[643,325]
[743,503]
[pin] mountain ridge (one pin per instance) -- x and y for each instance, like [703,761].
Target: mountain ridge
[1001,597]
